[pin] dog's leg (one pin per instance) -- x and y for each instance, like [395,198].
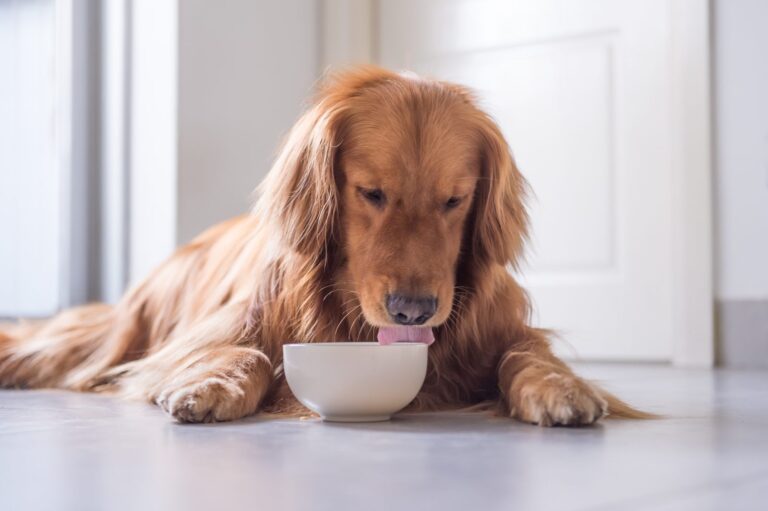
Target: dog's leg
[207,371]
[539,388]
[227,384]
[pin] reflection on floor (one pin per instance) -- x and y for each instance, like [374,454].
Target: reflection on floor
[63,451]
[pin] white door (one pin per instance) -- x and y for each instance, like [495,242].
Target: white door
[581,89]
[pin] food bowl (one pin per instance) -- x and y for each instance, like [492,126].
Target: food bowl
[355,381]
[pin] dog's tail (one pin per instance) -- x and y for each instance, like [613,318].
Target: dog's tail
[55,352]
[618,409]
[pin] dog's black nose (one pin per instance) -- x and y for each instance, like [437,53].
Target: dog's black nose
[411,310]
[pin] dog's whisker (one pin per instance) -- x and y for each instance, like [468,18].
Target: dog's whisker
[341,321]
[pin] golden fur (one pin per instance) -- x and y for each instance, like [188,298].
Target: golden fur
[202,335]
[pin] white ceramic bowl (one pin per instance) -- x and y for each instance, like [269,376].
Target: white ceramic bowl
[355,381]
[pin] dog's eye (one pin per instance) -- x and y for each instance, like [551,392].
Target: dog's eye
[452,202]
[373,195]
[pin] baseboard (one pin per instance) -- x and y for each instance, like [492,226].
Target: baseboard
[742,334]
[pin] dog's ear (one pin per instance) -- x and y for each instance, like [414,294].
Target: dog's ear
[300,192]
[500,224]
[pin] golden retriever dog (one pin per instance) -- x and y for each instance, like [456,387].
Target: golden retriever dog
[393,211]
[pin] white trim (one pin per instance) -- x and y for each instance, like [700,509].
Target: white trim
[63,127]
[74,146]
[115,136]
[691,125]
[347,33]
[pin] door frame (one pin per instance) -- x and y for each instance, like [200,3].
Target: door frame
[77,140]
[349,36]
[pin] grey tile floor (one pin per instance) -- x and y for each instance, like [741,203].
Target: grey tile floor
[66,451]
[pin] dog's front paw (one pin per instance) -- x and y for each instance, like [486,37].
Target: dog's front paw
[209,400]
[550,398]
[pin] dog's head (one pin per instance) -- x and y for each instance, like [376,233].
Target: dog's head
[400,182]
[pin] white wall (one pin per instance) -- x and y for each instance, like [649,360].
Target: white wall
[245,71]
[741,135]
[215,85]
[30,187]
[47,155]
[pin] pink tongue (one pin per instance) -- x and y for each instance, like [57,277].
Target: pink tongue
[388,335]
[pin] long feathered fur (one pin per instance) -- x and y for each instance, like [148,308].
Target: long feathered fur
[271,276]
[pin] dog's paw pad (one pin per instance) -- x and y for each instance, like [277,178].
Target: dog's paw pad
[207,401]
[558,399]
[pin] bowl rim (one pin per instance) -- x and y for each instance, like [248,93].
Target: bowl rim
[360,344]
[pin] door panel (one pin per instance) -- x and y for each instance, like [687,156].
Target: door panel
[581,90]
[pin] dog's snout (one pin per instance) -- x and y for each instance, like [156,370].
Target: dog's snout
[411,310]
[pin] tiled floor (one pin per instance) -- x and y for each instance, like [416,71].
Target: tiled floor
[63,451]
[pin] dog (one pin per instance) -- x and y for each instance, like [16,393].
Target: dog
[394,210]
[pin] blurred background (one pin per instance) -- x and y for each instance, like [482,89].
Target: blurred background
[128,126]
